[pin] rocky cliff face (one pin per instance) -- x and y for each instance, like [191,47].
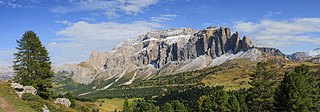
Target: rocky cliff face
[164,52]
[271,51]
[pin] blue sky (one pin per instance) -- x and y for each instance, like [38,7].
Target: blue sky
[71,29]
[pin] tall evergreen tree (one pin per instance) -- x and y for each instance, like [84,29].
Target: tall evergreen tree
[241,95]
[260,96]
[178,106]
[167,107]
[217,101]
[126,107]
[298,91]
[146,107]
[234,105]
[32,64]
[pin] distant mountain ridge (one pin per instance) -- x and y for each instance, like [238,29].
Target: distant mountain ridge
[6,73]
[165,52]
[313,56]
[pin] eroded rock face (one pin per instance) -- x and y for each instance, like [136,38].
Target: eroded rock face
[315,60]
[272,51]
[160,52]
[63,101]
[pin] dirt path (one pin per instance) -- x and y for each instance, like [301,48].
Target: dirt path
[5,107]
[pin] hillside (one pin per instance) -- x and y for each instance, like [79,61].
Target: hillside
[10,102]
[13,102]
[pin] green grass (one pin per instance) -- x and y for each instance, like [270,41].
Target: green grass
[235,75]
[12,98]
[106,105]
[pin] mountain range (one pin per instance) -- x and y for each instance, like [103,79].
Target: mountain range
[166,52]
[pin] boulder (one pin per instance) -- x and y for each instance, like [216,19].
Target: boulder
[16,86]
[20,89]
[30,89]
[63,101]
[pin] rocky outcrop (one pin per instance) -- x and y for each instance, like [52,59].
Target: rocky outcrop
[45,108]
[271,51]
[315,60]
[20,89]
[63,101]
[163,52]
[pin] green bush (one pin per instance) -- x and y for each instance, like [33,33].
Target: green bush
[37,103]
[34,101]
[31,97]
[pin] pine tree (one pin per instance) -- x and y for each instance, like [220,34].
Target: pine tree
[234,105]
[178,106]
[32,64]
[167,108]
[217,101]
[260,96]
[298,91]
[241,95]
[126,107]
[71,98]
[146,107]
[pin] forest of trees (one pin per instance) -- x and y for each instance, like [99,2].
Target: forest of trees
[298,91]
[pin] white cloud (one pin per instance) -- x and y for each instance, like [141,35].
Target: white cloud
[272,13]
[246,26]
[282,33]
[6,56]
[78,40]
[18,3]
[88,19]
[111,8]
[64,22]
[164,17]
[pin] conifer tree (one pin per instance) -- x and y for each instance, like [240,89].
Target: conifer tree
[178,106]
[126,107]
[241,95]
[298,91]
[218,101]
[32,64]
[167,108]
[260,96]
[234,105]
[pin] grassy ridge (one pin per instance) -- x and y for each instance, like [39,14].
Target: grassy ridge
[34,103]
[12,98]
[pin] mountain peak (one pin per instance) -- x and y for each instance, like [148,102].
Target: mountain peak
[317,49]
[167,51]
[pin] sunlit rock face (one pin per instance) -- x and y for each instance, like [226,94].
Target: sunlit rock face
[163,52]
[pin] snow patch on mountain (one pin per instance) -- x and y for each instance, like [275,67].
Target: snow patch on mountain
[314,53]
[6,73]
